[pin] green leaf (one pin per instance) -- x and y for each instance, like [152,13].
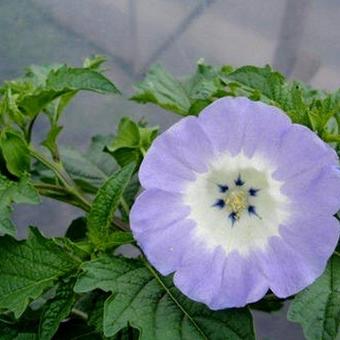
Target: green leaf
[56,310]
[94,62]
[95,153]
[92,168]
[160,88]
[264,80]
[34,96]
[270,86]
[127,135]
[28,268]
[205,83]
[117,239]
[75,79]
[15,151]
[9,110]
[317,308]
[36,75]
[187,96]
[14,192]
[145,300]
[10,332]
[81,168]
[51,140]
[105,204]
[34,102]
[132,142]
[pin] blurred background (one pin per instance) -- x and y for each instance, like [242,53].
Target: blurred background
[301,38]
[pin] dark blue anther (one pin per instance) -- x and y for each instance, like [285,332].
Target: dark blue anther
[252,210]
[223,188]
[233,217]
[253,192]
[219,204]
[239,181]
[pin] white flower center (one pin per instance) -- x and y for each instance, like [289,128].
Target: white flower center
[237,204]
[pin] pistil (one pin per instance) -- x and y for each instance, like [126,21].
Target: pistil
[237,201]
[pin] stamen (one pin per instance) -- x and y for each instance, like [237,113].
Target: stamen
[219,203]
[253,192]
[233,217]
[239,181]
[252,210]
[223,188]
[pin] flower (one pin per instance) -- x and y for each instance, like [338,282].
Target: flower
[237,201]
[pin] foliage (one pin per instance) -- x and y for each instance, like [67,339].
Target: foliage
[77,286]
[317,308]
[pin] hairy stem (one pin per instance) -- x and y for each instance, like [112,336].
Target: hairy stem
[62,194]
[62,175]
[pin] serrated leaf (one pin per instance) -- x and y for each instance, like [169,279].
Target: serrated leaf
[28,268]
[105,205]
[160,88]
[14,192]
[75,79]
[317,308]
[15,151]
[94,62]
[56,310]
[62,81]
[187,96]
[80,167]
[92,167]
[267,85]
[264,80]
[37,75]
[204,84]
[131,142]
[145,300]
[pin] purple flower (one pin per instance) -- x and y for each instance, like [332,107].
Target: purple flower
[238,201]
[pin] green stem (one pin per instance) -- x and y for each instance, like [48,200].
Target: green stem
[55,167]
[121,224]
[60,194]
[69,192]
[329,138]
[62,175]
[80,313]
[336,253]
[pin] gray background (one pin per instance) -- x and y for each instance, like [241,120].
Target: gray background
[299,37]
